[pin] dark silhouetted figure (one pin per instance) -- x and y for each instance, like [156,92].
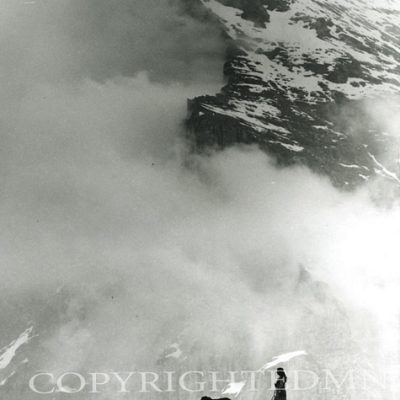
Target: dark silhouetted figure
[280,391]
[209,398]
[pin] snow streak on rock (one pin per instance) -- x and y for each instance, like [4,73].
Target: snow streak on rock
[7,353]
[298,73]
[282,358]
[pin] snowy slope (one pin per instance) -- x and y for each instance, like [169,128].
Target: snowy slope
[9,362]
[297,74]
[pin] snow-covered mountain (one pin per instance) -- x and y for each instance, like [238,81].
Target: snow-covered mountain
[298,74]
[304,81]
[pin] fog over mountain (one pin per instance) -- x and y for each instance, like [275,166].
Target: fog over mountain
[124,232]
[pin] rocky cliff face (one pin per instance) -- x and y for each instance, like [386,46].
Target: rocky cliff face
[298,75]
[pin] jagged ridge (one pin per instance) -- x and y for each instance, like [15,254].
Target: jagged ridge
[297,74]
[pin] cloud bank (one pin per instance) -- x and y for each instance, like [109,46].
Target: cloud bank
[114,247]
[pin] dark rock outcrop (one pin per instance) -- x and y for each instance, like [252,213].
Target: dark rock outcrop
[296,84]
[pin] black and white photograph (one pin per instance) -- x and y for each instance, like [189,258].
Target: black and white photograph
[200,199]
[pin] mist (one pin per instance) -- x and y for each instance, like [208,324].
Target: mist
[70,40]
[116,242]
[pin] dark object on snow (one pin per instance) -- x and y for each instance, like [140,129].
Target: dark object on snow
[209,398]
